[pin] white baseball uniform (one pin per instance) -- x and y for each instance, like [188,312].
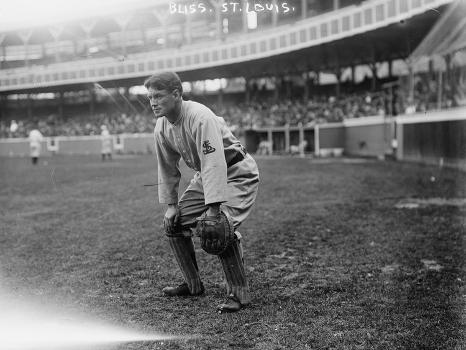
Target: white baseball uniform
[35,143]
[224,171]
[225,174]
[106,141]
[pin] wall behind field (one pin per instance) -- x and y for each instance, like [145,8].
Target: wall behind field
[433,138]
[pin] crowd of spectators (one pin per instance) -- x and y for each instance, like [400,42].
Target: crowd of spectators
[117,123]
[255,114]
[316,110]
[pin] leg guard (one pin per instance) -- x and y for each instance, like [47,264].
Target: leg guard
[183,249]
[235,275]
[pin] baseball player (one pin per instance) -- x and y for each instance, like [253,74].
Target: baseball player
[226,181]
[106,139]
[35,144]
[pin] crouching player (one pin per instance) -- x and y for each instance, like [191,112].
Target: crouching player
[224,186]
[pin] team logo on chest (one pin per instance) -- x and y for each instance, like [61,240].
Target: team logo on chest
[207,148]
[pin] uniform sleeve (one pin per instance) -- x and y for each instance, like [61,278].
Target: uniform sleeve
[168,171]
[209,144]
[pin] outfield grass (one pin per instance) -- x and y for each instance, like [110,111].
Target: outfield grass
[332,263]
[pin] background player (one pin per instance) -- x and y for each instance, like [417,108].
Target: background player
[35,144]
[106,143]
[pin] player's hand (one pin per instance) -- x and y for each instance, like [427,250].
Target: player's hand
[213,210]
[170,219]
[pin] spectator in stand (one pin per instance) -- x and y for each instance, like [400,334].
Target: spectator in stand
[13,127]
[239,116]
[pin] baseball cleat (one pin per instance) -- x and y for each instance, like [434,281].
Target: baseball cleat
[230,305]
[181,290]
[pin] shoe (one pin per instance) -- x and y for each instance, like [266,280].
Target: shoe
[232,304]
[181,290]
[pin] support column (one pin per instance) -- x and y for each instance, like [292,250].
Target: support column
[87,27]
[338,72]
[317,140]
[336,4]
[220,97]
[108,43]
[303,9]
[390,68]
[389,102]
[144,36]
[127,103]
[217,5]
[3,61]
[448,78]
[43,51]
[162,16]
[25,36]
[270,140]
[439,89]
[306,86]
[60,105]
[244,15]
[29,104]
[187,30]
[288,90]
[301,139]
[410,81]
[123,21]
[287,138]
[353,74]
[91,101]
[373,67]
[2,106]
[247,90]
[75,47]
[276,93]
[274,14]
[55,31]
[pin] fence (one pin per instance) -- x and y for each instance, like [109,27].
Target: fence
[434,138]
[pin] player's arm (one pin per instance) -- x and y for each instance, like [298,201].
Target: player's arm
[209,144]
[168,180]
[169,174]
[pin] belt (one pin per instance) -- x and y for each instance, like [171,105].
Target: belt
[237,158]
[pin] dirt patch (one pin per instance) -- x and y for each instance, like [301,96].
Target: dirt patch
[413,203]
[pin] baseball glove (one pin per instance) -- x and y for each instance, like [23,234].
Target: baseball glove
[216,232]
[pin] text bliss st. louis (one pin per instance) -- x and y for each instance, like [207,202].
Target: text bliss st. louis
[230,7]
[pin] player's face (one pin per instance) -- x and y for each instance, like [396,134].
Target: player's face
[162,102]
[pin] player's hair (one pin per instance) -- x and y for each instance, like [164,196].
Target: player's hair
[164,81]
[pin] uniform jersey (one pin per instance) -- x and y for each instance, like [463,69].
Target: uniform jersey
[206,145]
[106,142]
[35,142]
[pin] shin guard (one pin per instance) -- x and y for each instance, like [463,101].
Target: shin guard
[183,249]
[235,275]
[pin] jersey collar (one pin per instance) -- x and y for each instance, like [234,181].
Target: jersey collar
[180,117]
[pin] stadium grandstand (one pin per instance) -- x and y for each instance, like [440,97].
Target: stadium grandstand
[262,65]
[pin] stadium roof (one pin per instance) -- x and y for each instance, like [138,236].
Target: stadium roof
[447,36]
[394,41]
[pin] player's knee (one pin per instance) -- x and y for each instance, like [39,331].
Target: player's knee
[180,232]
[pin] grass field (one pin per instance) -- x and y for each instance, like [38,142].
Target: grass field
[332,263]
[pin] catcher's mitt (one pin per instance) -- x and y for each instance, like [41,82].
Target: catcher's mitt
[216,232]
